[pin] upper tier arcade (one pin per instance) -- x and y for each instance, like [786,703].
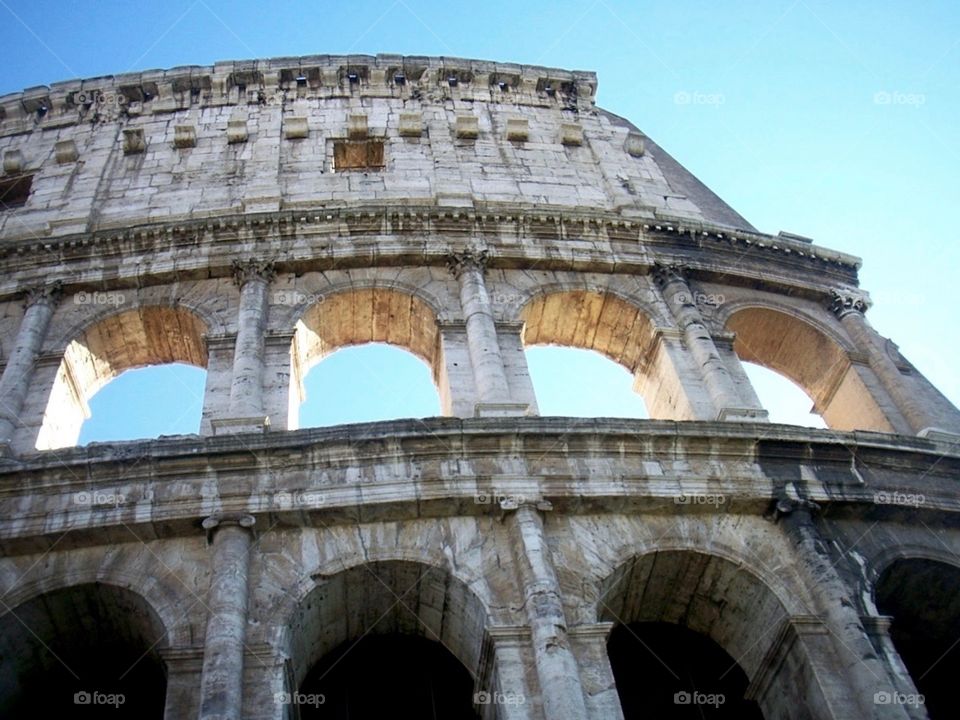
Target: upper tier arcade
[252,217]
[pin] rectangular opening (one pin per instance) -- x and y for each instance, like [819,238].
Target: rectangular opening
[14,191]
[357,155]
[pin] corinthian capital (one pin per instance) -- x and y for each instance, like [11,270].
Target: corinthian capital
[460,261]
[849,300]
[663,273]
[46,294]
[246,270]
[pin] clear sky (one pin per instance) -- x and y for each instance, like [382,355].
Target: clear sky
[832,120]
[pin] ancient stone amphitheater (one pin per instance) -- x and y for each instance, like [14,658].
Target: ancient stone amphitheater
[250,218]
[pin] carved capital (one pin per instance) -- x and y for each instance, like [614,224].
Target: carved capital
[246,270]
[848,301]
[664,274]
[243,520]
[460,261]
[45,294]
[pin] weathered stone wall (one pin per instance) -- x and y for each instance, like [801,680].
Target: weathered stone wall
[200,215]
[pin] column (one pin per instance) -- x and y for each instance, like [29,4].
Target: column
[915,405]
[556,666]
[719,385]
[834,648]
[502,681]
[246,388]
[485,355]
[39,304]
[221,683]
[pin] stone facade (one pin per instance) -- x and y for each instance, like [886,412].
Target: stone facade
[251,218]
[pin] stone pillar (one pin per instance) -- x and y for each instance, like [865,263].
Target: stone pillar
[915,407]
[878,629]
[589,642]
[39,305]
[184,666]
[719,385]
[246,388]
[556,666]
[838,657]
[221,684]
[507,694]
[489,374]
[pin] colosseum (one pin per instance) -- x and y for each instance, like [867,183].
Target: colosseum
[251,218]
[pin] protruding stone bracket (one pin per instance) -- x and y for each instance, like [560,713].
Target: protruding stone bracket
[211,523]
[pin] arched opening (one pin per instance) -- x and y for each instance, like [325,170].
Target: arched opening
[784,400]
[422,675]
[812,360]
[139,338]
[84,651]
[361,317]
[169,401]
[368,382]
[923,598]
[609,326]
[668,671]
[415,622]
[697,625]
[582,383]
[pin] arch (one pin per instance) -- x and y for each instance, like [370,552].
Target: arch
[813,358]
[360,316]
[148,335]
[922,596]
[591,320]
[385,597]
[705,592]
[163,598]
[90,639]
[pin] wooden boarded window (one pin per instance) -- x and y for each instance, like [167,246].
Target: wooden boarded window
[14,191]
[358,155]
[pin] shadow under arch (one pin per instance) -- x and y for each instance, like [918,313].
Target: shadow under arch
[144,336]
[813,359]
[357,317]
[84,651]
[617,329]
[396,606]
[922,596]
[713,598]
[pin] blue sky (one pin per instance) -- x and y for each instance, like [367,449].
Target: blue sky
[831,120]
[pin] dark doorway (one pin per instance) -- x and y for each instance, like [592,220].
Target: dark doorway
[923,597]
[88,651]
[384,676]
[668,672]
